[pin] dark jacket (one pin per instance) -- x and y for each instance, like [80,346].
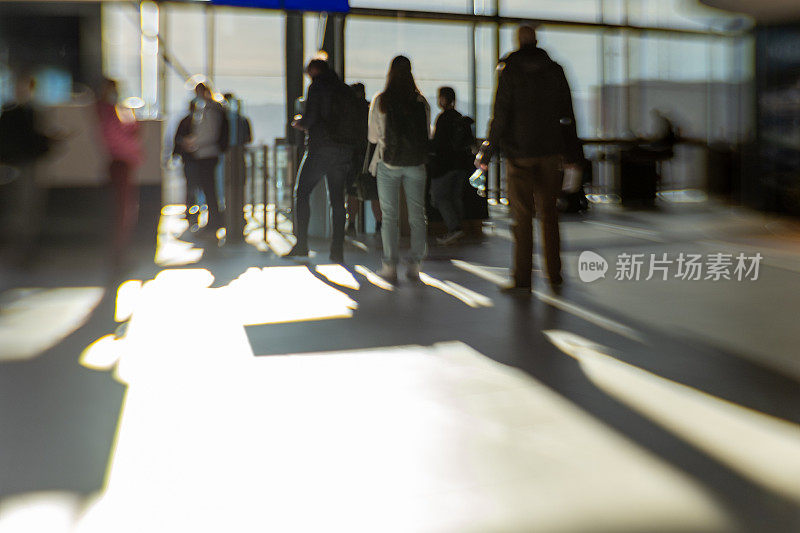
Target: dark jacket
[319,101]
[240,131]
[533,114]
[21,141]
[452,143]
[185,129]
[360,153]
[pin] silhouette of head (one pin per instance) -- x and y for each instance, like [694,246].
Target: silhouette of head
[447,97]
[526,35]
[400,84]
[202,91]
[317,67]
[360,90]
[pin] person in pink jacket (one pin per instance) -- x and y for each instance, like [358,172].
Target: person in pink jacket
[120,133]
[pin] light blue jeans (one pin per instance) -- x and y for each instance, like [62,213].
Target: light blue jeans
[412,180]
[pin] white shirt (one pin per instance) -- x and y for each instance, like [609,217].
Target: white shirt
[377,131]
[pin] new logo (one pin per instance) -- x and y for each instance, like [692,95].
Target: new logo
[591,266]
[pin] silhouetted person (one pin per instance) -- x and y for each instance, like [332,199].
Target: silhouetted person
[240,129]
[22,144]
[665,137]
[329,154]
[451,165]
[201,138]
[240,134]
[121,137]
[533,124]
[361,185]
[399,122]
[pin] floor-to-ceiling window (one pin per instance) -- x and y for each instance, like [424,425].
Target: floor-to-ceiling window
[439,55]
[616,75]
[249,62]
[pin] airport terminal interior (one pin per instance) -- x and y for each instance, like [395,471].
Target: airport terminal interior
[186,380]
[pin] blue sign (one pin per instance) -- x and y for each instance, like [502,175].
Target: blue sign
[330,6]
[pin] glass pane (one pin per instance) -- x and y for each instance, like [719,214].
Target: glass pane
[582,10]
[185,41]
[677,14]
[448,6]
[486,62]
[121,46]
[249,62]
[439,55]
[671,75]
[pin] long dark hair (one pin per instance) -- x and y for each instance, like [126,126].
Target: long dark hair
[400,85]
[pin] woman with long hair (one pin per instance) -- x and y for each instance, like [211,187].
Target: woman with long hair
[399,124]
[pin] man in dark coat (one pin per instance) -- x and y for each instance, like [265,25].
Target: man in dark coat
[533,125]
[325,156]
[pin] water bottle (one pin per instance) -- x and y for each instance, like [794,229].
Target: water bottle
[478,180]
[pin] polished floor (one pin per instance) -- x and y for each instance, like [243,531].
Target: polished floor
[226,389]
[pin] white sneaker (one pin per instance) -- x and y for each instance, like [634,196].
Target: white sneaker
[388,272]
[450,238]
[412,272]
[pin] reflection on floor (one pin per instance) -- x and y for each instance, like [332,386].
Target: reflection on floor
[33,320]
[252,444]
[267,395]
[760,447]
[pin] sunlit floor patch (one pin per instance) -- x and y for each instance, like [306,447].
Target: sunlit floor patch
[50,512]
[762,448]
[398,439]
[279,243]
[358,244]
[637,233]
[127,293]
[33,320]
[604,198]
[493,275]
[170,250]
[683,196]
[102,354]
[339,275]
[175,252]
[274,295]
[373,278]
[469,297]
[498,276]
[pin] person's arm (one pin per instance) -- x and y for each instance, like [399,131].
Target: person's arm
[248,130]
[179,146]
[224,139]
[313,109]
[573,150]
[502,109]
[374,129]
[427,117]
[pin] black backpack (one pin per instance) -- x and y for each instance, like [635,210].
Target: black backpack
[406,134]
[346,123]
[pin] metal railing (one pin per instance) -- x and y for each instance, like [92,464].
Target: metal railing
[269,175]
[687,170]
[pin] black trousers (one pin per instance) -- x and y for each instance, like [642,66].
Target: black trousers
[200,174]
[533,187]
[332,163]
